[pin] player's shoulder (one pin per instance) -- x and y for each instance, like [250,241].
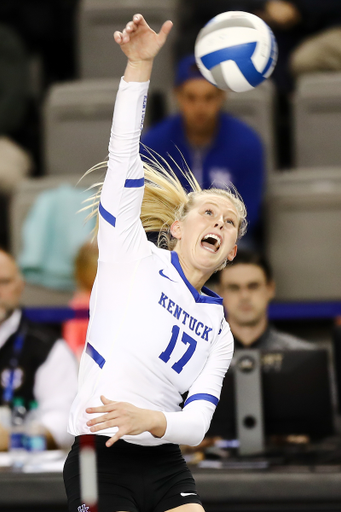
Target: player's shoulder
[161,257]
[159,252]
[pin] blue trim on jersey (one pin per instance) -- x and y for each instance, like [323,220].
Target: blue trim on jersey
[106,215]
[202,396]
[130,183]
[210,297]
[96,356]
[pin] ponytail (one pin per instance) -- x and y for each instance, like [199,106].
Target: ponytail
[165,199]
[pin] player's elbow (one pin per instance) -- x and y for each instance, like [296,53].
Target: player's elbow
[196,430]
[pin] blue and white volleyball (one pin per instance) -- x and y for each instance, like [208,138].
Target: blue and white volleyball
[236,51]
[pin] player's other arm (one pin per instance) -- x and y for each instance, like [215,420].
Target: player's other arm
[189,426]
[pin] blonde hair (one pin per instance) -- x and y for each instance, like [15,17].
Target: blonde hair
[86,265]
[165,200]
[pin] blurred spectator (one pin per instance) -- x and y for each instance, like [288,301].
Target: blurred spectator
[52,233]
[247,287]
[34,364]
[74,331]
[218,148]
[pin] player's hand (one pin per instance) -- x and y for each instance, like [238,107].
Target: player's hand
[129,419]
[139,42]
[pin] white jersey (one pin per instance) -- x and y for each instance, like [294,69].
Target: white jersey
[152,336]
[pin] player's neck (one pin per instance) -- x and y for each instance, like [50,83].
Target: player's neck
[197,278]
[248,334]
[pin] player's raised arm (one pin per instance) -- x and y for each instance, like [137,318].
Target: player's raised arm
[121,236]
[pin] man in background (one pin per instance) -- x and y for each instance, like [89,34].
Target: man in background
[34,363]
[247,287]
[218,148]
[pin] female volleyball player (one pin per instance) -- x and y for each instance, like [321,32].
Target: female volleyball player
[155,331]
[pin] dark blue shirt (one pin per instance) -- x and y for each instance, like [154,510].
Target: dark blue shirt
[236,156]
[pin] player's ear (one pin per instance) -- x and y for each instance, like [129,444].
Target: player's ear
[232,254]
[175,229]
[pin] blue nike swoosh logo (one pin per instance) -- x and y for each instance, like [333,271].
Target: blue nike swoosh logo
[163,275]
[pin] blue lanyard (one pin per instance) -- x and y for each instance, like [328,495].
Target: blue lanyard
[17,347]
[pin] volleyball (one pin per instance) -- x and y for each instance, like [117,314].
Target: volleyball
[236,51]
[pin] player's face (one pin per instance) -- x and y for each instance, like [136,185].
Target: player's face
[11,286]
[246,293]
[199,102]
[208,233]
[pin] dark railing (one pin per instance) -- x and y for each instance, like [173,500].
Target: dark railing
[277,311]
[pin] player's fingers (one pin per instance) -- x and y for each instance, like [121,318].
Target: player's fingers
[92,410]
[106,400]
[164,31]
[103,425]
[101,419]
[125,36]
[102,408]
[122,36]
[138,19]
[131,27]
[118,37]
[112,440]
[120,433]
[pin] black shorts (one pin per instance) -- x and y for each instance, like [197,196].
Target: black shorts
[133,478]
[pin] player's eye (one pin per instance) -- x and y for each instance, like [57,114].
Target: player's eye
[230,221]
[208,212]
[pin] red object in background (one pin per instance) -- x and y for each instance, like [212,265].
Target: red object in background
[74,331]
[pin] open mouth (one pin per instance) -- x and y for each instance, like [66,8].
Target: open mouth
[211,242]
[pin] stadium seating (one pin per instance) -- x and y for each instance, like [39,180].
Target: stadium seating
[99,56]
[317,120]
[303,233]
[256,108]
[77,118]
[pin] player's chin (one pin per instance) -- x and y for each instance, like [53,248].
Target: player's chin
[212,262]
